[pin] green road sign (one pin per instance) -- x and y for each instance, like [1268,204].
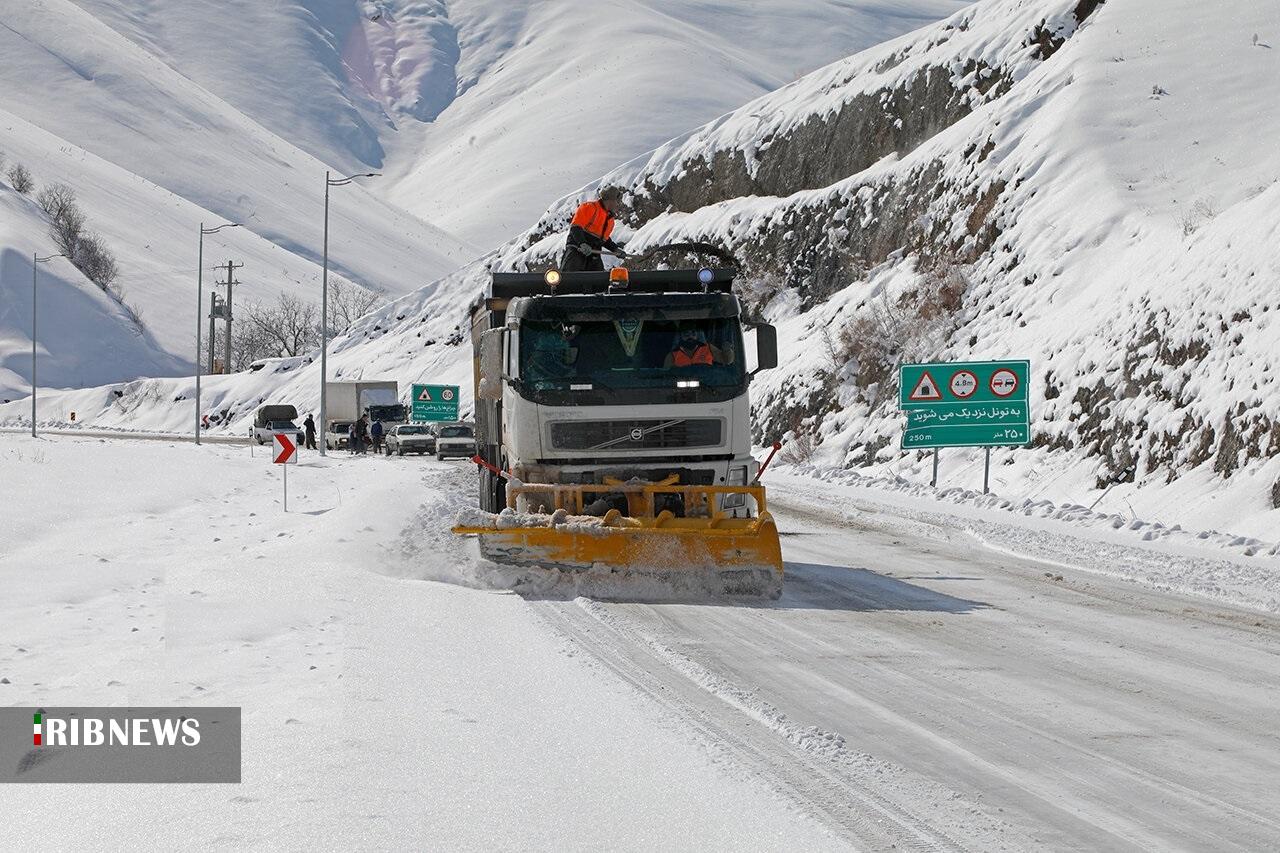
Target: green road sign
[965,404]
[435,402]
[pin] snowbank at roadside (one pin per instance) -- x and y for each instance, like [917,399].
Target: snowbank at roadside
[1236,570]
[380,711]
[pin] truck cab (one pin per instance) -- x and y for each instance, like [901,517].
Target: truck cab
[589,380]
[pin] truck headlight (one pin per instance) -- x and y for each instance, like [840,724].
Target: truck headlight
[737,477]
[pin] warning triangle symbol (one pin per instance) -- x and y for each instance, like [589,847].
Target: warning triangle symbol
[926,389]
[425,396]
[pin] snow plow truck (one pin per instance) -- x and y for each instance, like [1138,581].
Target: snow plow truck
[613,429]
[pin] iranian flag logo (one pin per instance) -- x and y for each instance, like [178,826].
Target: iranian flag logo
[36,739]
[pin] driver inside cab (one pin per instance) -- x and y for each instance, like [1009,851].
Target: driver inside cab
[691,348]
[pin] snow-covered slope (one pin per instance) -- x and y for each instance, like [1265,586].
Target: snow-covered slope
[69,74]
[553,93]
[81,311]
[151,155]
[481,112]
[157,253]
[1073,182]
[168,113]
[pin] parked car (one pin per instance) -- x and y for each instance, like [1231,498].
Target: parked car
[335,438]
[455,440]
[409,438]
[262,434]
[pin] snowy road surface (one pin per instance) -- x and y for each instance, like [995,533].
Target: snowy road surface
[1077,712]
[913,689]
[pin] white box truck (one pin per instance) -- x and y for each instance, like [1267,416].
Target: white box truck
[380,399]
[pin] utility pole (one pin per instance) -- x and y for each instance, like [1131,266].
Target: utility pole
[223,309]
[199,308]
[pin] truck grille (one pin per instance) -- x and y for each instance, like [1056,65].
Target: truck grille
[638,434]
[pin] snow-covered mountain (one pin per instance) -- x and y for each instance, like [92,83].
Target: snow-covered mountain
[168,113]
[1089,185]
[150,156]
[481,112]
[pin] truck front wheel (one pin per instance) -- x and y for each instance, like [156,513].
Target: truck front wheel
[493,490]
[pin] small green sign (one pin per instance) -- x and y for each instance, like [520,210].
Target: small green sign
[435,402]
[965,404]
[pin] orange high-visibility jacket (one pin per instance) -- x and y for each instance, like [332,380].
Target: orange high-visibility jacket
[701,355]
[594,219]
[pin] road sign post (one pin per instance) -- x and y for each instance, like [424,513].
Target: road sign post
[285,453]
[435,403]
[965,404]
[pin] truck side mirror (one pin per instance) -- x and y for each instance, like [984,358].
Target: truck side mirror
[491,361]
[766,347]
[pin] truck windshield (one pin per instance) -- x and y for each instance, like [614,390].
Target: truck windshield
[391,412]
[631,354]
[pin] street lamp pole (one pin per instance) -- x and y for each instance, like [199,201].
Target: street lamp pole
[199,308]
[329,181]
[36,260]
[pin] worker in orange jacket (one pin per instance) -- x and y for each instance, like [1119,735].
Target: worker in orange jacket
[691,348]
[590,231]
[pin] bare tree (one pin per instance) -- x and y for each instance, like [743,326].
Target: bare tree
[56,199]
[20,178]
[96,261]
[349,302]
[66,222]
[87,251]
[287,328]
[248,344]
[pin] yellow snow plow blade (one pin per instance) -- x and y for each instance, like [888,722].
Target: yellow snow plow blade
[705,549]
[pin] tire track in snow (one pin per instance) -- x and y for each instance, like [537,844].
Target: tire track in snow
[864,800]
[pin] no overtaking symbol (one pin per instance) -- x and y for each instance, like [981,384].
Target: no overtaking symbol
[1004,382]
